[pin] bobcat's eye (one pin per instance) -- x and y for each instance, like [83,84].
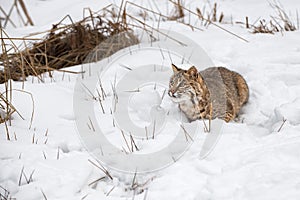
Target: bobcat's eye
[171,81]
[181,83]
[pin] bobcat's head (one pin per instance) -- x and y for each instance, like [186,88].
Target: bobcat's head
[184,85]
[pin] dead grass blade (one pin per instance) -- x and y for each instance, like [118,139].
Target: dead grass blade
[102,169]
[211,22]
[279,23]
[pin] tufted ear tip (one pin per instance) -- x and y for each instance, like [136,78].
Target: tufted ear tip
[175,68]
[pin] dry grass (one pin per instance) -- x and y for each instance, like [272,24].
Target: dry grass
[64,46]
[283,122]
[279,23]
[281,16]
[70,43]
[178,11]
[6,107]
[210,16]
[265,27]
[17,6]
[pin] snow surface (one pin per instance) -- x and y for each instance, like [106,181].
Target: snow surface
[252,160]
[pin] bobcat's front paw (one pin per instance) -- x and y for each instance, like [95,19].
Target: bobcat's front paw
[229,116]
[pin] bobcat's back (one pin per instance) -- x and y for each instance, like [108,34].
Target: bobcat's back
[228,91]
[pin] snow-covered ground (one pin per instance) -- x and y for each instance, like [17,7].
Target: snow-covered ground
[251,160]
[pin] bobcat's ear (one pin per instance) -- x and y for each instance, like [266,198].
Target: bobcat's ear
[200,79]
[193,72]
[175,68]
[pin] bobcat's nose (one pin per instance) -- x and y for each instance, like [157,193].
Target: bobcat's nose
[171,93]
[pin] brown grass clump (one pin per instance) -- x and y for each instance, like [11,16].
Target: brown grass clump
[64,46]
[91,39]
[278,23]
[265,27]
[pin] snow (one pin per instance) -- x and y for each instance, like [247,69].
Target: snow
[251,160]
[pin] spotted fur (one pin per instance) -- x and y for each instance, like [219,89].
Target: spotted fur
[213,92]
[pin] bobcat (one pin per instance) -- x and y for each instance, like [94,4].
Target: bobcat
[215,92]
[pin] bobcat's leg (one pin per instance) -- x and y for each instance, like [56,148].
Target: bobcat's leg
[230,112]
